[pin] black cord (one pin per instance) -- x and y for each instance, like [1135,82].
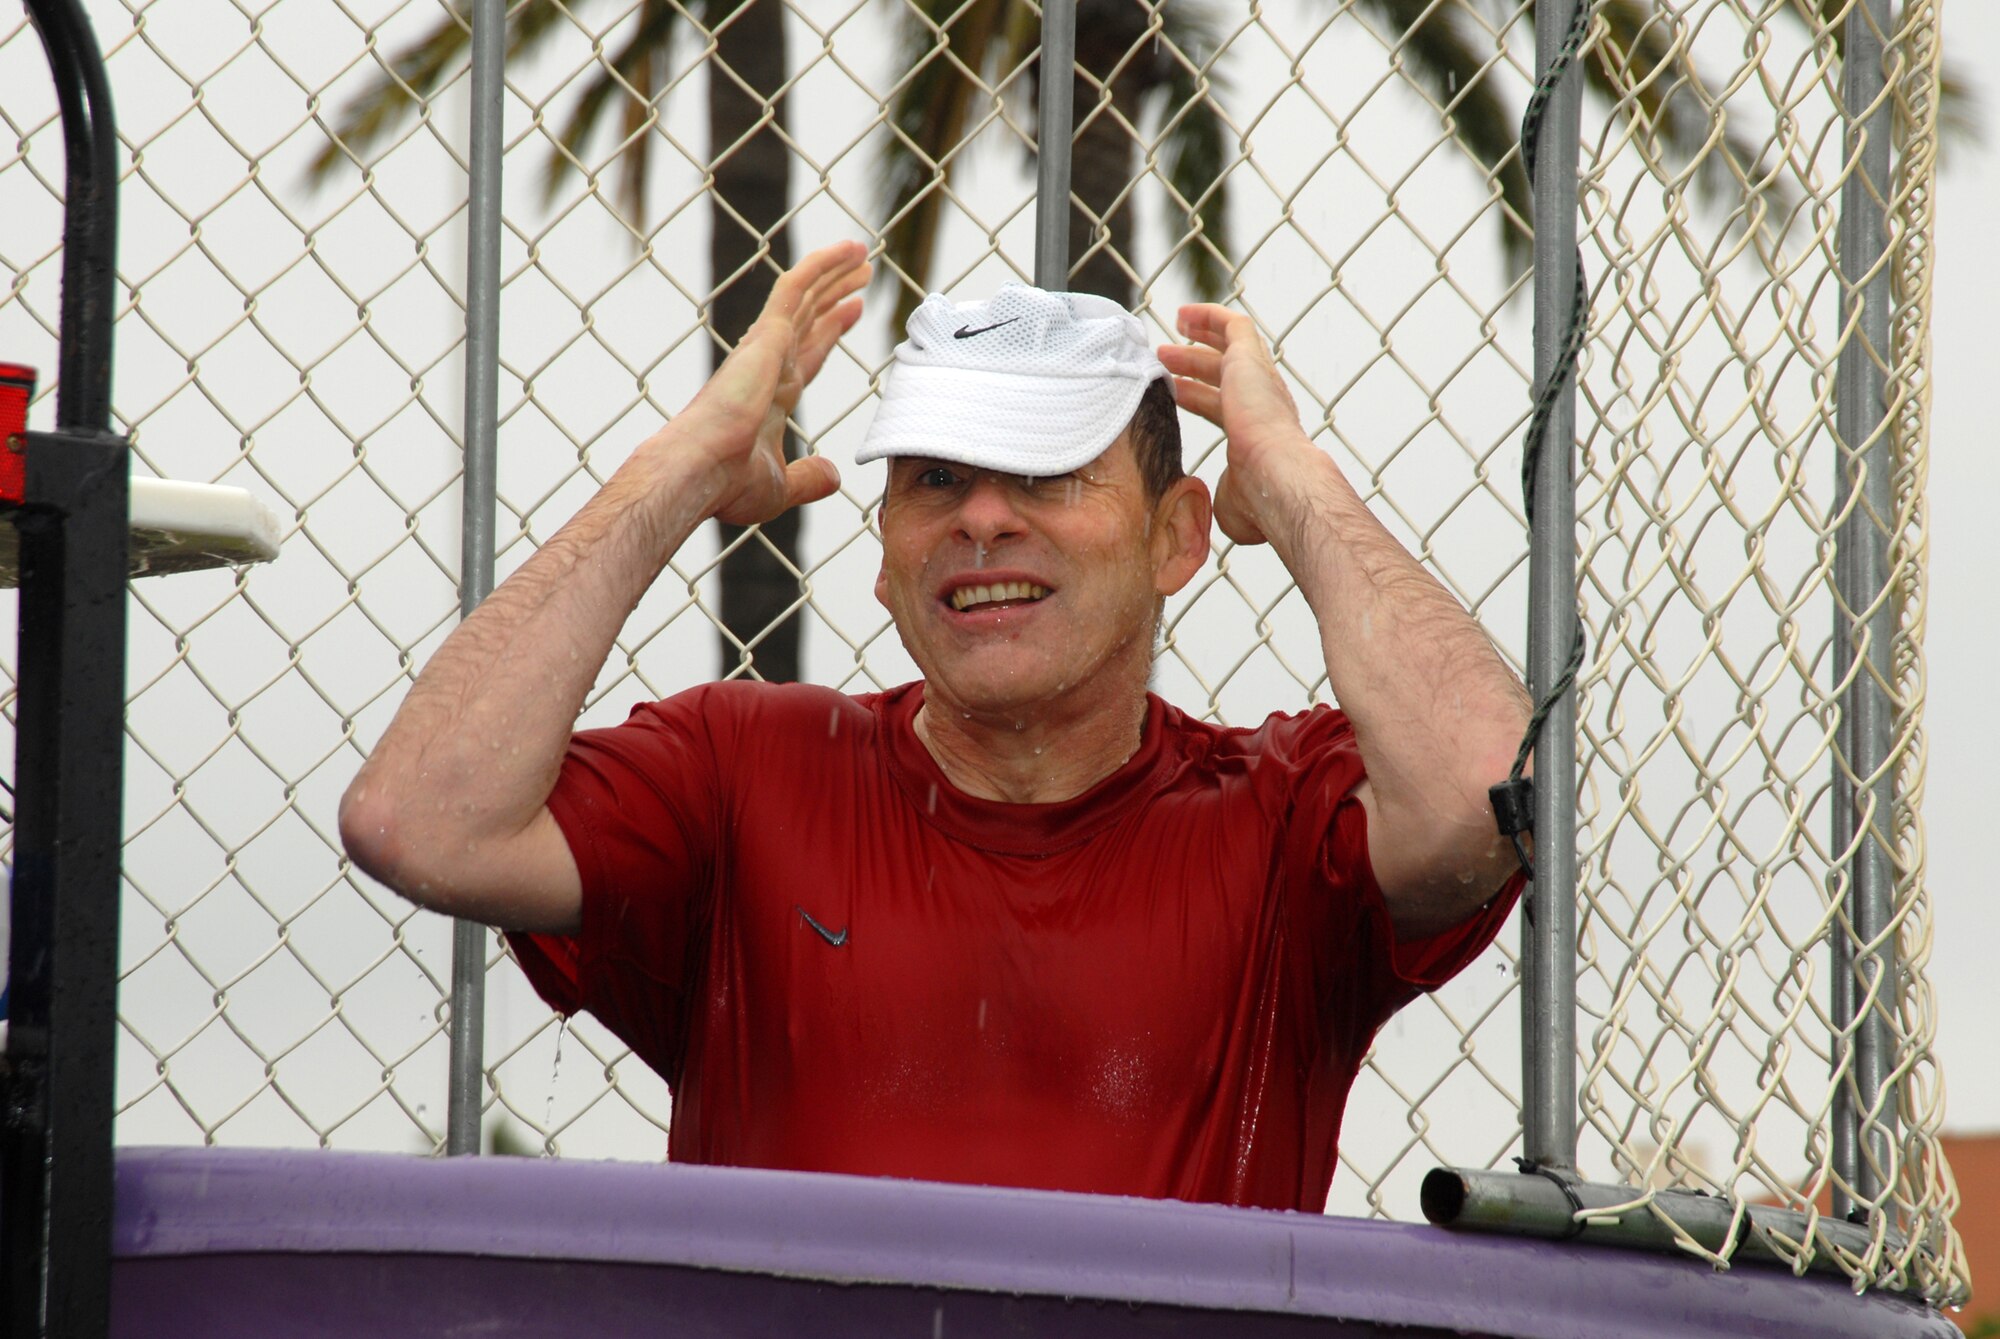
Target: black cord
[1563,1183]
[1513,799]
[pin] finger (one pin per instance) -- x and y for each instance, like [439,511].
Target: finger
[1205,323]
[834,283]
[1192,360]
[1220,328]
[832,290]
[789,294]
[809,480]
[819,341]
[1199,398]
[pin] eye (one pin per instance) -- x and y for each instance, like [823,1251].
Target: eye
[937,476]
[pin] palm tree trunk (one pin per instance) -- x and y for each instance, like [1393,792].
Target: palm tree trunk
[751,168]
[1105,157]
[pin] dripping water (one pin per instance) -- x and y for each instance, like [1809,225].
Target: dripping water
[555,1071]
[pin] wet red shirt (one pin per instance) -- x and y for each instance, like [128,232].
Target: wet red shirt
[839,962]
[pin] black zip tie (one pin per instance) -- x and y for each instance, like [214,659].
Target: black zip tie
[1513,800]
[1568,1188]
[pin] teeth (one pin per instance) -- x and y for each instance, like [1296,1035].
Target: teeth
[966,596]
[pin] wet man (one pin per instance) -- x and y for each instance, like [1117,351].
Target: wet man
[1019,922]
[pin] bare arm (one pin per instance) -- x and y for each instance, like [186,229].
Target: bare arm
[1436,712]
[450,809]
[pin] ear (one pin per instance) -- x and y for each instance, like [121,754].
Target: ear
[882,569]
[1180,534]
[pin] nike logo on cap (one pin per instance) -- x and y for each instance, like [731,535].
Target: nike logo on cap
[967,332]
[829,936]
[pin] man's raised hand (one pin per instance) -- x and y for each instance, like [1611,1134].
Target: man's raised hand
[1227,376]
[738,418]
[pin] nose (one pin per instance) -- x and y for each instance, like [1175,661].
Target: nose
[987,511]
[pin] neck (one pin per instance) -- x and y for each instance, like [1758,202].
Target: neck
[1040,755]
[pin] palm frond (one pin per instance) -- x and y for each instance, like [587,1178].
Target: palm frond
[1193,153]
[949,48]
[1961,118]
[1641,67]
[1454,64]
[416,73]
[631,81]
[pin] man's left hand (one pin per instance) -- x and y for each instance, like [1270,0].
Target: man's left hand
[1227,376]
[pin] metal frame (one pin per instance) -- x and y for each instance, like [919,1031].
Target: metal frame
[55,1137]
[465,1098]
[1548,932]
[1053,131]
[1864,965]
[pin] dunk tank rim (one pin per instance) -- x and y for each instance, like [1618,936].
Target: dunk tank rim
[225,1243]
[175,526]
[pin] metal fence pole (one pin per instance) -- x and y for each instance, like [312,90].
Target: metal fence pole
[1864,623]
[482,411]
[1053,123]
[1548,950]
[58,1083]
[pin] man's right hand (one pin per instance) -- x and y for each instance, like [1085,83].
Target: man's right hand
[738,419]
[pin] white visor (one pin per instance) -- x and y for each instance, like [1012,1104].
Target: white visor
[1031,383]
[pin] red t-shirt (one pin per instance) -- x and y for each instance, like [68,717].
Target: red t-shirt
[840,962]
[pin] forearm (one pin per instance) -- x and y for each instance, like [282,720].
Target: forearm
[473,752]
[1437,713]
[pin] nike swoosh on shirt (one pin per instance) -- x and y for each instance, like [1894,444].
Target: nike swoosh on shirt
[967,332]
[829,936]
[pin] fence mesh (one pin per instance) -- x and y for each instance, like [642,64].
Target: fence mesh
[1341,169]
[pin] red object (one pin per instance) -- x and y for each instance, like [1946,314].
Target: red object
[1162,987]
[17,387]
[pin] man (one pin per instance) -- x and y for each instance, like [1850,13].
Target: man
[1019,922]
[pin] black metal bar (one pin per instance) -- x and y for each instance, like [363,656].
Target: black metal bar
[55,1154]
[90,213]
[57,1085]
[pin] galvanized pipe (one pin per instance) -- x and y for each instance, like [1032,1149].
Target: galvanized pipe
[1864,623]
[1053,123]
[469,939]
[1476,1200]
[1548,932]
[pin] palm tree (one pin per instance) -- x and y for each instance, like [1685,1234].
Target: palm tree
[957,49]
[748,206]
[1637,67]
[1134,60]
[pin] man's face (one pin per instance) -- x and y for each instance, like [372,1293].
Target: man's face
[1011,592]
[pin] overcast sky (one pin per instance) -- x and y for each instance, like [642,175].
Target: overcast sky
[1962,723]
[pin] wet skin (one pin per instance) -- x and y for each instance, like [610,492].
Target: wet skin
[1064,671]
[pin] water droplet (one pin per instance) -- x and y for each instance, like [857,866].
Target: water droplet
[982,1015]
[932,802]
[549,1115]
[833,723]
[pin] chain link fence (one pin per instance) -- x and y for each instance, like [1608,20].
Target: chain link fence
[1341,169]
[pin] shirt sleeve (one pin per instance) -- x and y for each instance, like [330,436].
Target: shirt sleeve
[1361,972]
[639,804]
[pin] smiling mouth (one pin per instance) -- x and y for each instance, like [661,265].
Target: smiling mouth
[1005,592]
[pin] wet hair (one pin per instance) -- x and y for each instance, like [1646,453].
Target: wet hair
[1155,431]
